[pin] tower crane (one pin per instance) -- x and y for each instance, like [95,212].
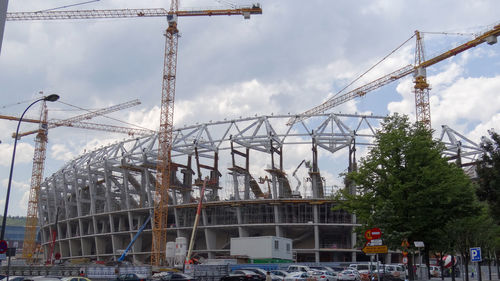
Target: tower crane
[160,209]
[29,244]
[421,87]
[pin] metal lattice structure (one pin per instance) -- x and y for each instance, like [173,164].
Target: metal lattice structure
[105,195]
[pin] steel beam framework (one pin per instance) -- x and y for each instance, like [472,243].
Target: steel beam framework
[105,195]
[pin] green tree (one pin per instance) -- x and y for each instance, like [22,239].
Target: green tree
[488,171]
[468,232]
[488,190]
[405,186]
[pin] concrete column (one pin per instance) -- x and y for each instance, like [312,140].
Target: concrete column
[316,232]
[210,236]
[247,187]
[235,186]
[275,187]
[242,231]
[278,230]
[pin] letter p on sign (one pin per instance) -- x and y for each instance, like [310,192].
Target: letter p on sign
[475,254]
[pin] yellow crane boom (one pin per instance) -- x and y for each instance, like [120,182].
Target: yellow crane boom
[421,103]
[246,11]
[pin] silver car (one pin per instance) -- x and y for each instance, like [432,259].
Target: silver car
[324,275]
[350,275]
[298,276]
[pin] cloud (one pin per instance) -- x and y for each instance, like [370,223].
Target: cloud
[24,153]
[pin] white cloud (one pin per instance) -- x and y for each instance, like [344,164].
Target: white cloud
[61,152]
[24,153]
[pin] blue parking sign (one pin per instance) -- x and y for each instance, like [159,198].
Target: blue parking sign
[475,254]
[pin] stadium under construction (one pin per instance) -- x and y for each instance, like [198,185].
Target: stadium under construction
[103,197]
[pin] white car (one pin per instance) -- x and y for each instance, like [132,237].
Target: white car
[280,273]
[324,275]
[351,275]
[298,276]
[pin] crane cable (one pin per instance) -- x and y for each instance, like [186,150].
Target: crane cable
[104,116]
[380,61]
[67,6]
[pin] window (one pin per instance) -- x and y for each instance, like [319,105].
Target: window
[288,247]
[276,245]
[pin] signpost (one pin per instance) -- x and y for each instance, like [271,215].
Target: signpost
[374,244]
[475,256]
[419,244]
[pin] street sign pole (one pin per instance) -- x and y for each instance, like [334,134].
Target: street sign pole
[378,271]
[8,266]
[475,256]
[420,244]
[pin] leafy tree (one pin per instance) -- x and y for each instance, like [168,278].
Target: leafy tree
[488,190]
[488,171]
[406,188]
[468,232]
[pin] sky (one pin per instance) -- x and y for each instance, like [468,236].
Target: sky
[291,58]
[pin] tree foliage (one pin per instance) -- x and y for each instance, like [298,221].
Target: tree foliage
[405,186]
[488,171]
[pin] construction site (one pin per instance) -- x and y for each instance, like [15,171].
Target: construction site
[102,198]
[224,179]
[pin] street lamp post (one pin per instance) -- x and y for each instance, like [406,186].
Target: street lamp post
[51,98]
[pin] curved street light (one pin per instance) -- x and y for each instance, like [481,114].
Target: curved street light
[50,98]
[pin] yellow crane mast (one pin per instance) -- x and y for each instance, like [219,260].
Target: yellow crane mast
[166,125]
[160,208]
[421,86]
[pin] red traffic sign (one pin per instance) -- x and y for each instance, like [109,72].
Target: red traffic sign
[3,246]
[405,260]
[374,233]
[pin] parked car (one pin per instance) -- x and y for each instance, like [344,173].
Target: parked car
[299,276]
[395,271]
[74,278]
[44,278]
[323,268]
[177,276]
[130,277]
[281,273]
[349,274]
[233,277]
[263,273]
[16,278]
[298,268]
[324,275]
[249,275]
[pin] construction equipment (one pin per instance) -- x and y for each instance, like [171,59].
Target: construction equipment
[421,87]
[29,244]
[122,257]
[296,193]
[168,94]
[196,221]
